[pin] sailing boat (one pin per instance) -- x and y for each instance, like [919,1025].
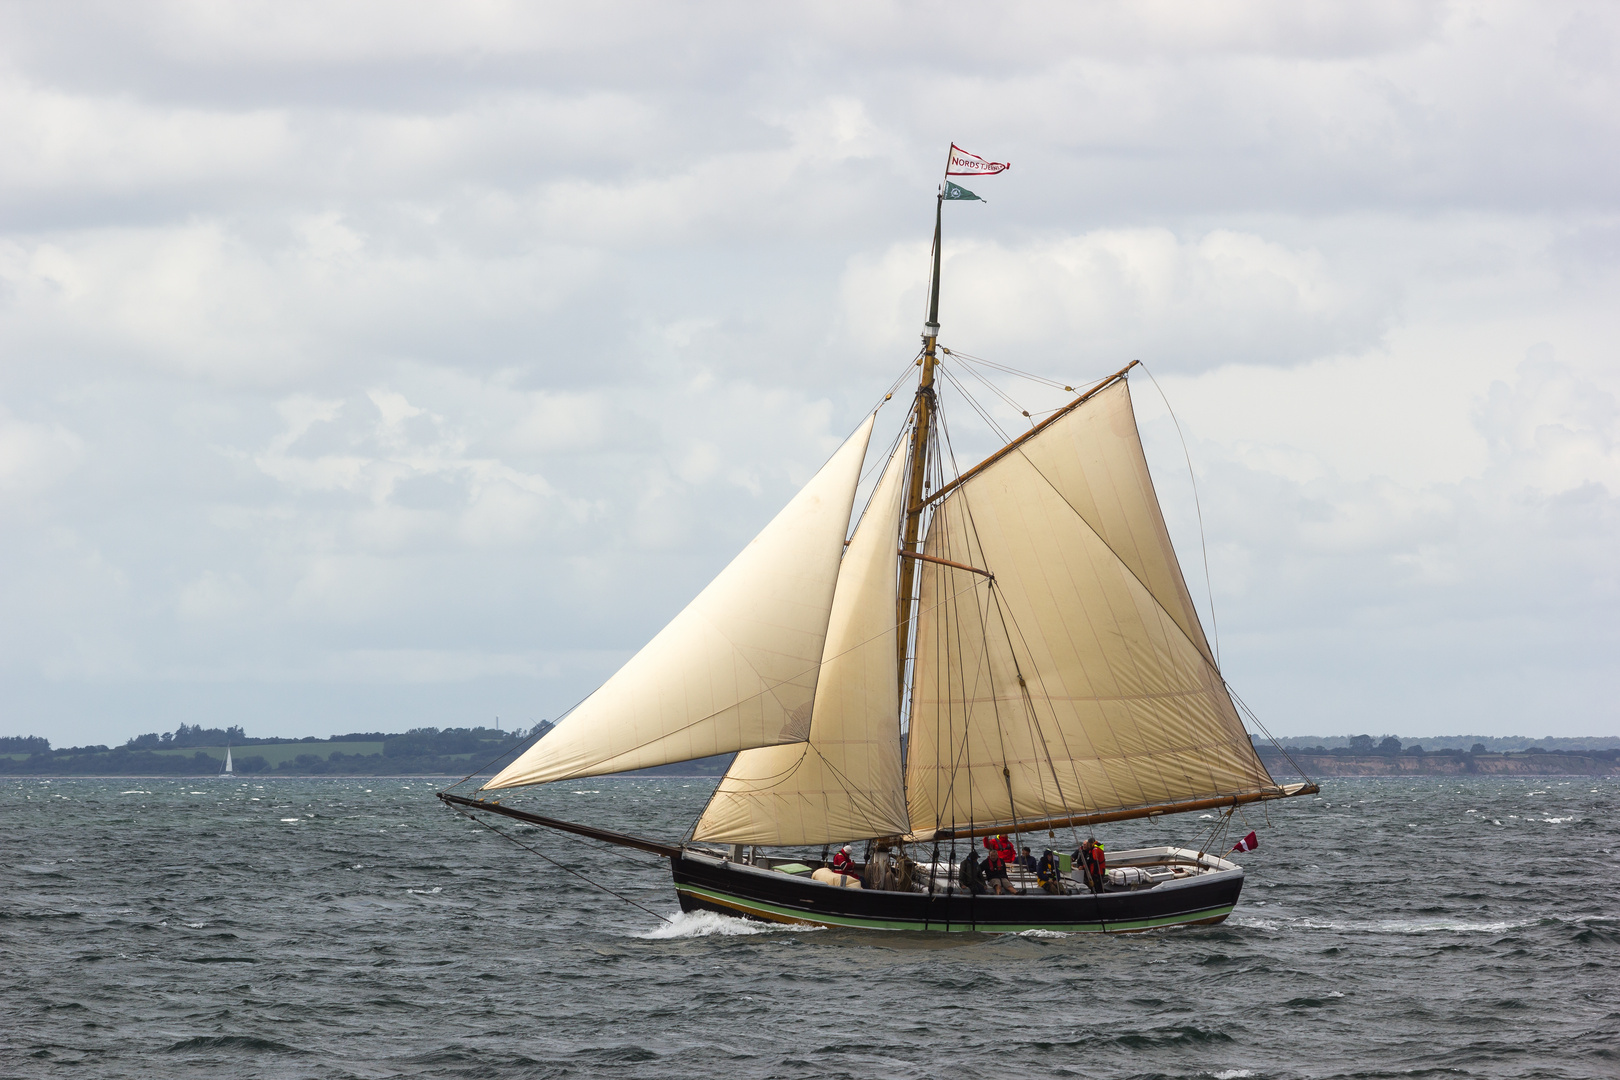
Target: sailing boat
[227,770]
[1007,651]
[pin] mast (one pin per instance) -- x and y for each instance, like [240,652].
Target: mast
[921,431]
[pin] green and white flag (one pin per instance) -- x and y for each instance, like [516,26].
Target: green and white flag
[954,192]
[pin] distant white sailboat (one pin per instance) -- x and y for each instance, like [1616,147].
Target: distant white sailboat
[226,771]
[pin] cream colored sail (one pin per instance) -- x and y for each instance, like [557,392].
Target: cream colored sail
[846,782]
[1078,680]
[737,667]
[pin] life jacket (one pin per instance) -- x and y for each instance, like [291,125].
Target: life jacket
[841,863]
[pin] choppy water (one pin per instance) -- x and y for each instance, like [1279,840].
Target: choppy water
[354,928]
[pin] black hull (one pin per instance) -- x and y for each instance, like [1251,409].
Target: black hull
[708,884]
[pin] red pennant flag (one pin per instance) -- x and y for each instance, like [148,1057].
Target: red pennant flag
[963,163]
[1248,843]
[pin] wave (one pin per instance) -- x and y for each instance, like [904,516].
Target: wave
[233,1042]
[698,924]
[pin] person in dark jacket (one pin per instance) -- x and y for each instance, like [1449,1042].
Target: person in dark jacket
[1026,861]
[1048,874]
[969,875]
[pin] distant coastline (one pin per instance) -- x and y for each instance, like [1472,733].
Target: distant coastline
[197,752]
[1444,763]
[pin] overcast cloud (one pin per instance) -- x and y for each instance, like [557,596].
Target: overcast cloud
[379,365]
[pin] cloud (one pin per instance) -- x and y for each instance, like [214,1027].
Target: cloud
[1220,298]
[345,349]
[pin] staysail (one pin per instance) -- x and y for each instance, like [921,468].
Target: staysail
[846,780]
[1077,679]
[737,668]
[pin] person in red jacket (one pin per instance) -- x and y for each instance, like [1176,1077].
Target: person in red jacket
[1003,847]
[842,863]
[1093,864]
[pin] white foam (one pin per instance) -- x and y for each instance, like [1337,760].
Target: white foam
[290,820]
[697,924]
[1233,1074]
[1039,933]
[1558,820]
[134,793]
[426,892]
[1448,926]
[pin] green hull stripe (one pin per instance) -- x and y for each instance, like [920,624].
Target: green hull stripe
[777,913]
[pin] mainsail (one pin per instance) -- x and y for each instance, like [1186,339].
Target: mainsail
[846,780]
[1073,678]
[737,668]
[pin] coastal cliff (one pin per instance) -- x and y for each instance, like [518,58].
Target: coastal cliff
[1443,764]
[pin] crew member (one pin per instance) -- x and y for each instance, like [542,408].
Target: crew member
[969,876]
[1047,873]
[842,863]
[1026,861]
[995,876]
[1093,863]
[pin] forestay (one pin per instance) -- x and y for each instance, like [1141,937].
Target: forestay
[737,668]
[1077,679]
[846,781]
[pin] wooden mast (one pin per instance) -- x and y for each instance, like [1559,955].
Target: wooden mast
[921,432]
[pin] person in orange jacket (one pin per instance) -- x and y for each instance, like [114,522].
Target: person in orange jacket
[1002,847]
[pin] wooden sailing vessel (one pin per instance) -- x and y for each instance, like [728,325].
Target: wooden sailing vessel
[1008,650]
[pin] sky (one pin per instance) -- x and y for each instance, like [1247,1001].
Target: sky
[381,365]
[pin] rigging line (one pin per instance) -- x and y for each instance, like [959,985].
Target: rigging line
[995,702]
[1031,715]
[1031,376]
[1209,590]
[993,388]
[589,881]
[971,400]
[1264,731]
[962,760]
[957,754]
[998,391]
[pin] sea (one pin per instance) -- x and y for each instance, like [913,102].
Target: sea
[1391,927]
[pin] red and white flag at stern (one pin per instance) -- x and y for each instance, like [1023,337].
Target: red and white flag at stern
[1248,843]
[963,163]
